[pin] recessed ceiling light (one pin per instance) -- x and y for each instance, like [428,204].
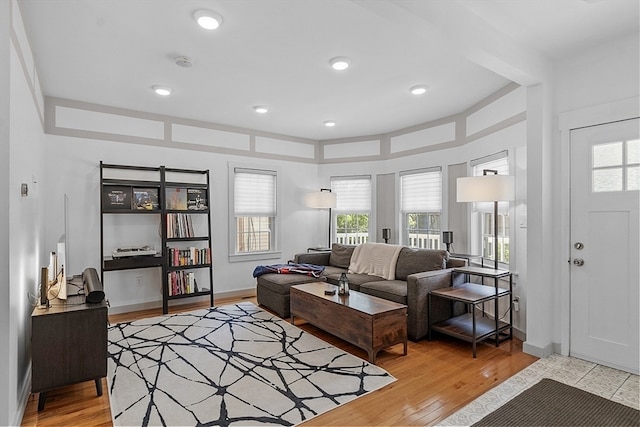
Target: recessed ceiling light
[329,123]
[207,19]
[162,90]
[260,109]
[340,63]
[418,90]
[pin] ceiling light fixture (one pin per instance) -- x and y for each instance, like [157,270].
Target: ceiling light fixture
[418,90]
[162,90]
[340,63]
[329,123]
[207,19]
[260,109]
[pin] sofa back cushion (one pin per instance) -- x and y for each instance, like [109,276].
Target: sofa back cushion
[412,261]
[341,255]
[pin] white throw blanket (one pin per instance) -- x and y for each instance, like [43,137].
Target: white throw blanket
[375,259]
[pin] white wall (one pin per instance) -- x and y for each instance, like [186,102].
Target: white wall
[22,234]
[604,74]
[75,162]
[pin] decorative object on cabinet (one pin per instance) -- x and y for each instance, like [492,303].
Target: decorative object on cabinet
[177,200]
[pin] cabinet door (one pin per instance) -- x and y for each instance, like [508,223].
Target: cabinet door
[68,347]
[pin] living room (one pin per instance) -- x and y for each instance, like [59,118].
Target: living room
[56,142]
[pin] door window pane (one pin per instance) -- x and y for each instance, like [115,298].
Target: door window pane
[607,180]
[609,154]
[633,178]
[633,151]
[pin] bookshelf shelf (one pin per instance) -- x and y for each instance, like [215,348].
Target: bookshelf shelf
[180,199]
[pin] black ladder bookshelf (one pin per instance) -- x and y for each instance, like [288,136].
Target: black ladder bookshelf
[178,200]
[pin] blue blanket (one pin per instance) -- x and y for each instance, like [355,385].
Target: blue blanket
[306,269]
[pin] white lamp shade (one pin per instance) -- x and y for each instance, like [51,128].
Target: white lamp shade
[321,200]
[485,188]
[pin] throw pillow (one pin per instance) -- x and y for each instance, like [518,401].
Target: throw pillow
[341,255]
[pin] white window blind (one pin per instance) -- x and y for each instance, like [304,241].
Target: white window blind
[353,194]
[254,192]
[498,162]
[421,191]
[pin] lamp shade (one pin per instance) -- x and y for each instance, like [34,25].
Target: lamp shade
[485,188]
[321,200]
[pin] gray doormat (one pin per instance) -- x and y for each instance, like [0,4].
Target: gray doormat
[551,403]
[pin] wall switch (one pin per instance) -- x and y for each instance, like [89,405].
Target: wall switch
[139,280]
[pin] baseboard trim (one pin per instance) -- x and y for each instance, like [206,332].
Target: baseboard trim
[244,293]
[23,399]
[538,351]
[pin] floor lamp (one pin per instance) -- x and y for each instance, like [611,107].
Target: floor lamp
[323,199]
[489,187]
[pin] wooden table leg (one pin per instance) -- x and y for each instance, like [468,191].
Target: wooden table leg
[99,386]
[41,399]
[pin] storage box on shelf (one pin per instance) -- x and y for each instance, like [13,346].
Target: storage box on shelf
[469,326]
[178,199]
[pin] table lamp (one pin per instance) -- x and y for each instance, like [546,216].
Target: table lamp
[489,187]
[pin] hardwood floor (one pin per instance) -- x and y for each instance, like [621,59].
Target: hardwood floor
[434,380]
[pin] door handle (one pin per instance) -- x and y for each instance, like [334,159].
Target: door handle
[578,261]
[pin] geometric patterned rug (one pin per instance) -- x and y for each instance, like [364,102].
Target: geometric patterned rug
[229,365]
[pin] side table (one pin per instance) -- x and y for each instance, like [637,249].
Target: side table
[468,326]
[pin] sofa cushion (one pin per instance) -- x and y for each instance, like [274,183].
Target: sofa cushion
[280,283]
[392,290]
[341,255]
[411,261]
[355,280]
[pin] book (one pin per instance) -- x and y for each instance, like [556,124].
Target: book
[176,198]
[145,199]
[197,199]
[116,197]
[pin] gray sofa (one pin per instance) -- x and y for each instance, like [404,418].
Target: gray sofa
[418,271]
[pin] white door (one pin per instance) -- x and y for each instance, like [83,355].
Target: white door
[605,180]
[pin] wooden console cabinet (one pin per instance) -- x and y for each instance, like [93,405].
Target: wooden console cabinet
[68,345]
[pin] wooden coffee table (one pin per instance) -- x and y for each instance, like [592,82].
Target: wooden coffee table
[368,322]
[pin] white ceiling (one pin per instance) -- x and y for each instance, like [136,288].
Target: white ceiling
[276,53]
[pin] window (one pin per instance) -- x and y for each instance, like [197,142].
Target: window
[353,209]
[421,205]
[254,210]
[616,166]
[483,213]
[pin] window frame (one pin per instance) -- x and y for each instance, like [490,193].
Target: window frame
[405,213]
[337,211]
[275,222]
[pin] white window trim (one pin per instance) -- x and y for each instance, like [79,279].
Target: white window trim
[401,211]
[231,229]
[372,217]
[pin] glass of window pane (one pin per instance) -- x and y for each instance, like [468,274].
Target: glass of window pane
[633,152]
[607,180]
[609,154]
[633,178]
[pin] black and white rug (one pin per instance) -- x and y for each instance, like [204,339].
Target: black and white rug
[230,365]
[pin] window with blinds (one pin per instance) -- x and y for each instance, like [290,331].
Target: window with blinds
[254,209]
[421,207]
[483,222]
[353,209]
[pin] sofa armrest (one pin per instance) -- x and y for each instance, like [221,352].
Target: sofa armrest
[456,262]
[316,258]
[418,287]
